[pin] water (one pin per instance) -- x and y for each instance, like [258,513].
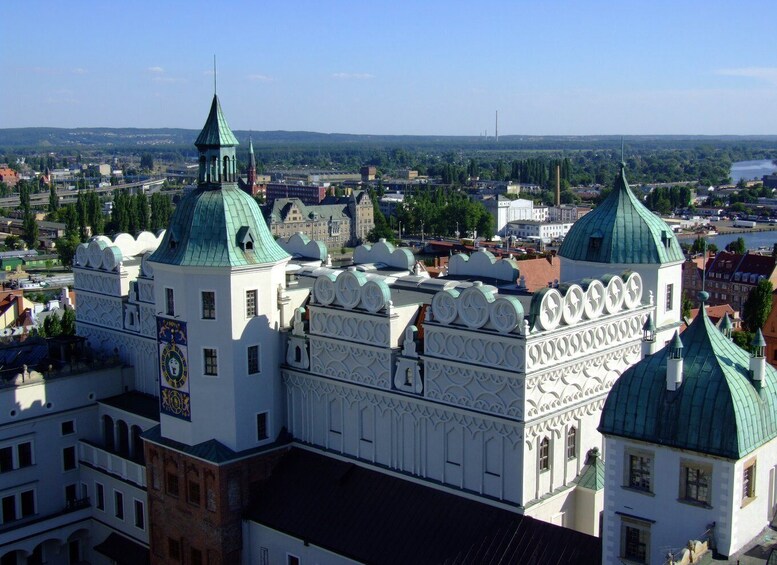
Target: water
[753,240]
[750,170]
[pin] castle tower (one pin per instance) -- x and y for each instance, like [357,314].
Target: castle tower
[217,275]
[621,235]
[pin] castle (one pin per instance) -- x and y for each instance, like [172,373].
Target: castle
[266,398]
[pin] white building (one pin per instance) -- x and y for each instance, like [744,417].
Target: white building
[532,229]
[505,210]
[691,449]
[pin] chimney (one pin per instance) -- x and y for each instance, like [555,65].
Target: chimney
[674,365]
[648,337]
[758,360]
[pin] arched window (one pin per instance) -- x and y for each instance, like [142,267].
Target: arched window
[572,443]
[544,454]
[225,176]
[108,437]
[298,354]
[201,172]
[123,437]
[409,377]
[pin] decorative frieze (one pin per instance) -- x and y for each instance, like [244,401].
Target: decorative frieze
[338,324]
[351,362]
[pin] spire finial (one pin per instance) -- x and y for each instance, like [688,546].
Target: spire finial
[704,266]
[214,75]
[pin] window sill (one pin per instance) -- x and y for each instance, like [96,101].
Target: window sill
[638,491]
[747,501]
[696,503]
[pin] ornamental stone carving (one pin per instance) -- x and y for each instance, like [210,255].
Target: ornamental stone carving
[444,306]
[483,390]
[549,312]
[633,289]
[473,306]
[361,328]
[613,300]
[375,295]
[324,289]
[470,347]
[594,303]
[349,362]
[506,313]
[348,288]
[574,303]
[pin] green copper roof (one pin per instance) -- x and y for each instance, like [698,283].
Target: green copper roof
[216,131]
[621,230]
[592,474]
[717,410]
[218,228]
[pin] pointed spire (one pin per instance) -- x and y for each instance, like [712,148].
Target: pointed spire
[758,343]
[676,347]
[216,131]
[726,326]
[649,329]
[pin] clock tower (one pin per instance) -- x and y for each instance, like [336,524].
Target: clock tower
[217,276]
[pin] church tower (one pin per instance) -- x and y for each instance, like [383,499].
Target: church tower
[217,276]
[251,180]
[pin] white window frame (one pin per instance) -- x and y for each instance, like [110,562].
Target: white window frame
[202,305]
[255,293]
[17,494]
[99,488]
[142,513]
[266,426]
[205,365]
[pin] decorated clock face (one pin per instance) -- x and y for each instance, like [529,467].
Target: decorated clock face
[174,367]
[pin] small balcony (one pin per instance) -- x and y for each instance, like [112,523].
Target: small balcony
[113,463]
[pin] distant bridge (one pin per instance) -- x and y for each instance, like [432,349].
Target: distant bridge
[67,196]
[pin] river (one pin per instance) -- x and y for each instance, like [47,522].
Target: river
[750,170]
[753,240]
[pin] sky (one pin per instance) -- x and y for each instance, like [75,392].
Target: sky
[625,67]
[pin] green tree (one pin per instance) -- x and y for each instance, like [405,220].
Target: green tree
[68,322]
[737,246]
[147,161]
[687,306]
[758,306]
[30,227]
[13,242]
[52,326]
[66,249]
[742,339]
[53,200]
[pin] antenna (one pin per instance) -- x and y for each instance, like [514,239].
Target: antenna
[704,268]
[214,74]
[622,161]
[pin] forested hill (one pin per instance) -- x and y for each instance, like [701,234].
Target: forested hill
[164,138]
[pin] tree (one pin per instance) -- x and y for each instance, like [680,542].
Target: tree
[66,249]
[53,200]
[52,326]
[30,227]
[68,322]
[699,245]
[687,306]
[758,306]
[742,339]
[13,242]
[737,246]
[147,161]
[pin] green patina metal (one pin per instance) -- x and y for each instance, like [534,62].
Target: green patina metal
[217,224]
[216,131]
[592,474]
[208,230]
[621,230]
[717,410]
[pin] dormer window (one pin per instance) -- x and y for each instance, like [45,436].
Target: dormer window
[666,238]
[173,241]
[245,238]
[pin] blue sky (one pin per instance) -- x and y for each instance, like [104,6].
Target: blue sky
[395,67]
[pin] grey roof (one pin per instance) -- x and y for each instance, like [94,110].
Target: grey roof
[282,206]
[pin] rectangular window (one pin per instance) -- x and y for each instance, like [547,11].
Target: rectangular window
[99,493]
[695,481]
[9,508]
[28,503]
[292,559]
[261,426]
[253,359]
[68,427]
[24,454]
[174,549]
[171,484]
[193,493]
[208,305]
[169,302]
[635,541]
[6,459]
[196,557]
[748,482]
[71,495]
[250,303]
[69,458]
[669,296]
[639,468]
[118,504]
[211,362]
[140,517]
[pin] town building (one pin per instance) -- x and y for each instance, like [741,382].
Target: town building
[8,176]
[367,173]
[729,277]
[534,230]
[463,408]
[391,203]
[504,210]
[567,213]
[337,221]
[690,449]
[310,195]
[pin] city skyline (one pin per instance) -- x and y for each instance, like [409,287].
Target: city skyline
[402,68]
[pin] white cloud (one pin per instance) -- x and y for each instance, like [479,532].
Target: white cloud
[260,78]
[168,80]
[79,71]
[156,70]
[353,76]
[764,74]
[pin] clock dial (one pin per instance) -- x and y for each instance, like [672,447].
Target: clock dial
[174,368]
